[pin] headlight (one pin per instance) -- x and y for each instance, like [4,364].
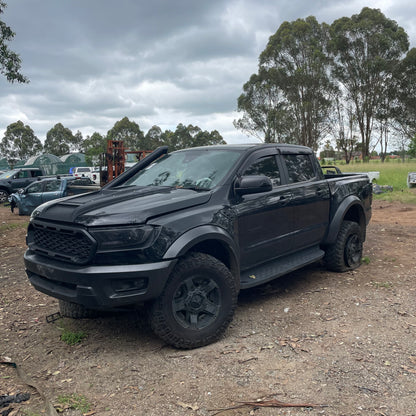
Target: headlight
[124,238]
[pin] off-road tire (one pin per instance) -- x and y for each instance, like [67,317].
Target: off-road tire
[346,253]
[75,311]
[197,303]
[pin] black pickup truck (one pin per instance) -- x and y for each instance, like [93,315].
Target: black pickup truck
[183,232]
[15,179]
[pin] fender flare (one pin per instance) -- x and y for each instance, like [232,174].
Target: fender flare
[339,216]
[204,233]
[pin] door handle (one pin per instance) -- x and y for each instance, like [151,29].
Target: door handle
[281,198]
[321,192]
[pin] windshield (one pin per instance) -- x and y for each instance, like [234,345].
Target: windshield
[7,174]
[192,168]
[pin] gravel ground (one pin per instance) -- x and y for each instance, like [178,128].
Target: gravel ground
[342,342]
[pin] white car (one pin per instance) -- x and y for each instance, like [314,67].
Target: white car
[411,179]
[81,171]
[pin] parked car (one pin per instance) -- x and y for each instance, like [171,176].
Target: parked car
[183,232]
[15,179]
[82,171]
[27,199]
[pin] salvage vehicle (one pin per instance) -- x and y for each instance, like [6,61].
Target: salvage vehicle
[411,179]
[27,199]
[182,233]
[15,179]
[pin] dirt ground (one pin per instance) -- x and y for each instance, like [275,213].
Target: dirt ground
[346,342]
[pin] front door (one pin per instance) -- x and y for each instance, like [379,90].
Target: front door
[264,220]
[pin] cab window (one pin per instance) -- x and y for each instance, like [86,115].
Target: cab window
[35,187]
[299,167]
[52,186]
[266,166]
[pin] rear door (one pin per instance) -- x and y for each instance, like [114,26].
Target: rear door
[310,199]
[265,221]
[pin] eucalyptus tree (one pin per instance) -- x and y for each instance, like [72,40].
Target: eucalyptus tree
[290,97]
[367,49]
[58,140]
[19,143]
[94,146]
[405,110]
[129,132]
[153,138]
[265,114]
[190,136]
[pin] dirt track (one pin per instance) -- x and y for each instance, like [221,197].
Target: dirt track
[346,341]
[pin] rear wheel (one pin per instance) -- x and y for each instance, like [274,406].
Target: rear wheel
[346,253]
[75,311]
[197,303]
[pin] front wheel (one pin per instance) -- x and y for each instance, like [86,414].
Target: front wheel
[197,303]
[346,253]
[4,195]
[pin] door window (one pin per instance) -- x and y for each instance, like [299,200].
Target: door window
[299,168]
[35,188]
[266,166]
[52,186]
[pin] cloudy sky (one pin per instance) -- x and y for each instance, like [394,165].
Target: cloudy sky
[160,62]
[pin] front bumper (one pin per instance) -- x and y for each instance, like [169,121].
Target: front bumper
[98,287]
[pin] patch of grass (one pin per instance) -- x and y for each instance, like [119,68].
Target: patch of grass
[72,337]
[13,226]
[73,401]
[384,285]
[365,260]
[392,173]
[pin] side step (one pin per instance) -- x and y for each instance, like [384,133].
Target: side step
[269,271]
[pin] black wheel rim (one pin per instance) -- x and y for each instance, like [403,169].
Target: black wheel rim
[353,250]
[197,302]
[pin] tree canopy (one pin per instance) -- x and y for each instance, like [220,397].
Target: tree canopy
[10,62]
[19,143]
[190,136]
[345,79]
[59,140]
[129,132]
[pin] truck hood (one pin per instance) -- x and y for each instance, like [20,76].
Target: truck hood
[115,206]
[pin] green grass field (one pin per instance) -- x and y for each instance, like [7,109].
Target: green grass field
[393,173]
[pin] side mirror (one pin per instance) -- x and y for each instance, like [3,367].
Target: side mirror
[21,191]
[252,185]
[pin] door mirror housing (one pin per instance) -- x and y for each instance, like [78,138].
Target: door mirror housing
[253,184]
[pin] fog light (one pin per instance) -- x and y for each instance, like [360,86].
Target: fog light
[129,285]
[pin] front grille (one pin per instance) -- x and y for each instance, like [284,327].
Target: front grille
[72,245]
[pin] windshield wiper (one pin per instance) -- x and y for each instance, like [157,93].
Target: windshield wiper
[192,187]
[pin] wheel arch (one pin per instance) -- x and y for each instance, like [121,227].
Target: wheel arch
[350,209]
[211,240]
